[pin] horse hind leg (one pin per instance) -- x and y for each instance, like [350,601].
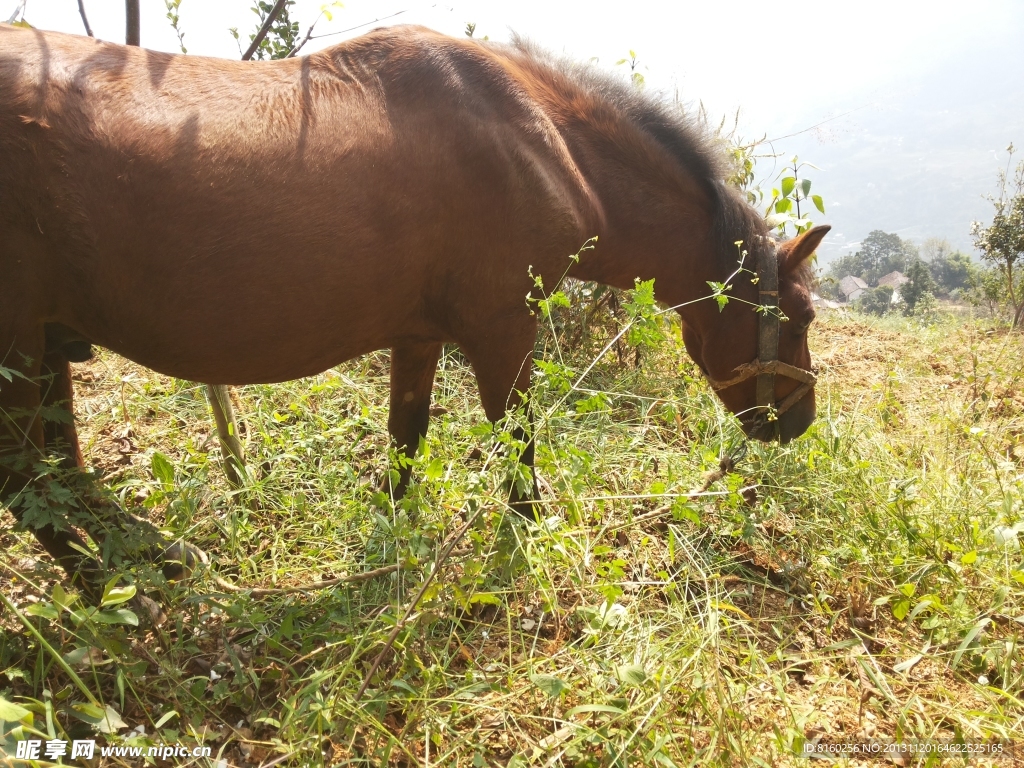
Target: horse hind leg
[59,433]
[22,442]
[61,439]
[412,380]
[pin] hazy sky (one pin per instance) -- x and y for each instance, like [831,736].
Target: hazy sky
[914,103]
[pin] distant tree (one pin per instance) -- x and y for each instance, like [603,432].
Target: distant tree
[1002,242]
[920,289]
[952,273]
[875,301]
[986,288]
[951,270]
[880,253]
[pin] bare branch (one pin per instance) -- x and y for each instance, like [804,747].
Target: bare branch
[85,19]
[309,34]
[265,29]
[360,26]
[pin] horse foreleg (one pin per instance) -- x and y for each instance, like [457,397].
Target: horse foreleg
[412,379]
[503,373]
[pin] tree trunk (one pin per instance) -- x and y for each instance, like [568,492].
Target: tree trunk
[1018,305]
[133,23]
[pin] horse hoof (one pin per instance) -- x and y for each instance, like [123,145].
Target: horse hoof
[150,609]
[88,577]
[181,559]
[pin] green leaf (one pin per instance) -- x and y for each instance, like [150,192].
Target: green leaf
[116,595]
[485,598]
[805,187]
[11,712]
[46,610]
[904,666]
[594,403]
[631,674]
[104,720]
[901,608]
[61,598]
[784,205]
[404,686]
[970,557]
[818,202]
[551,685]
[788,183]
[120,616]
[164,718]
[978,628]
[434,470]
[162,470]
[87,710]
[683,510]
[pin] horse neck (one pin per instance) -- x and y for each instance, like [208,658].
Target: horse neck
[656,224]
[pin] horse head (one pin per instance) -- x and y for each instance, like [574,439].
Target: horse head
[754,351]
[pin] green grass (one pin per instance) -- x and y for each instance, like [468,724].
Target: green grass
[864,581]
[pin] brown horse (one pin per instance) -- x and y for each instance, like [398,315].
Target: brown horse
[236,223]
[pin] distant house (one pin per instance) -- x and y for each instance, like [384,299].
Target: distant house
[851,288]
[894,280]
[821,303]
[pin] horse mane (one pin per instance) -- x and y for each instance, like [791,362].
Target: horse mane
[697,149]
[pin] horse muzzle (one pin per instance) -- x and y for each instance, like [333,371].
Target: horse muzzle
[785,426]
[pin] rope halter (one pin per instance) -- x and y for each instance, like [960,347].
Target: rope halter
[767,364]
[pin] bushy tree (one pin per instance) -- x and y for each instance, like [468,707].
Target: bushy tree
[919,289]
[875,301]
[950,269]
[952,272]
[986,287]
[880,253]
[1002,242]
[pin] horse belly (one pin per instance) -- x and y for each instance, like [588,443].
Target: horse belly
[255,303]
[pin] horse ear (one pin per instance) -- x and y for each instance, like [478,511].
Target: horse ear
[793,253]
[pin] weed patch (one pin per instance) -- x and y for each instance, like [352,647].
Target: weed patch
[864,581]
